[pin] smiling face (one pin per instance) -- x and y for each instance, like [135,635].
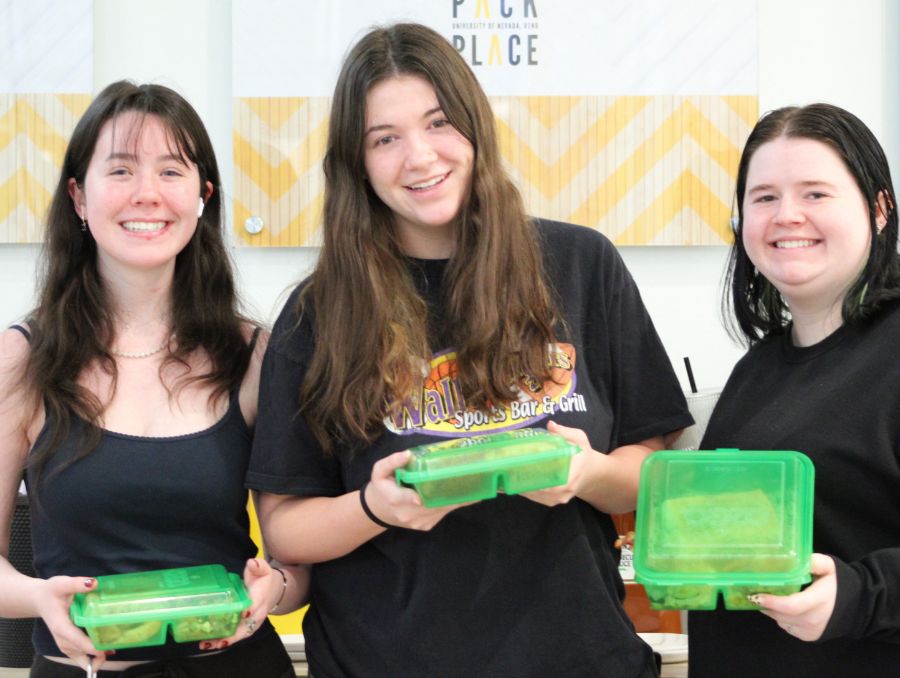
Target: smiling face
[140,196]
[417,163]
[805,222]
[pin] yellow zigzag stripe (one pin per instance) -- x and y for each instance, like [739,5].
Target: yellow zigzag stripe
[274,180]
[22,118]
[746,107]
[685,120]
[20,188]
[550,110]
[299,231]
[275,111]
[76,103]
[277,179]
[686,191]
[550,179]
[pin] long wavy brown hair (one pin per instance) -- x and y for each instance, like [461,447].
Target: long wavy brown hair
[72,325]
[369,320]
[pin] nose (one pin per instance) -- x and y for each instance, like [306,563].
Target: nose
[789,212]
[419,151]
[146,190]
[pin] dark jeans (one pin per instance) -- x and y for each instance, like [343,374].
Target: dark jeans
[265,658]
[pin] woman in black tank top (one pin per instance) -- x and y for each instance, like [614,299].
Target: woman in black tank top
[129,395]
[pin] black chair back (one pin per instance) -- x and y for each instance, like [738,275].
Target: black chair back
[16,650]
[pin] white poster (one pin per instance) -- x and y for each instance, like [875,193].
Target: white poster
[516,47]
[46,46]
[625,116]
[46,75]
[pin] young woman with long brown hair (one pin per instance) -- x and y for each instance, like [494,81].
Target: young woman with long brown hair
[129,395]
[438,308]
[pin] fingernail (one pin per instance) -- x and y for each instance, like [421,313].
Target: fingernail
[204,645]
[245,614]
[89,582]
[224,644]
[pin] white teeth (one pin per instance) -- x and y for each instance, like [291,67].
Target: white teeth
[428,184]
[143,226]
[790,244]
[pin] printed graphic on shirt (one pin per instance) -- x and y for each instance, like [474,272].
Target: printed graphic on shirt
[440,409]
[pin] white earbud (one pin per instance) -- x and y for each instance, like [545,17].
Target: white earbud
[200,209]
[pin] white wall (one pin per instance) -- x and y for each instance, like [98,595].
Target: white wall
[810,50]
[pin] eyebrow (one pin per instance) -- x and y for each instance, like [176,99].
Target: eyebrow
[769,187]
[381,128]
[132,156]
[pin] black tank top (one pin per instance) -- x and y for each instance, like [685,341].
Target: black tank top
[138,503]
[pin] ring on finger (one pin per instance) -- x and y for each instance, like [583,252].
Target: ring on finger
[790,628]
[251,625]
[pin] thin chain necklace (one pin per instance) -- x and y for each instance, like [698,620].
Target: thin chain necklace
[142,354]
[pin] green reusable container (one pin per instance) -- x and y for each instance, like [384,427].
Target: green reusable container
[726,521]
[478,467]
[138,609]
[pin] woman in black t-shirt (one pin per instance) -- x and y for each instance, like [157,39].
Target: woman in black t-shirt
[814,286]
[439,309]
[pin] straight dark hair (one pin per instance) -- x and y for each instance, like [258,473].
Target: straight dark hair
[370,323]
[753,306]
[72,325]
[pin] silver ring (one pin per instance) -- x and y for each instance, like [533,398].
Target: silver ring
[251,625]
[790,628]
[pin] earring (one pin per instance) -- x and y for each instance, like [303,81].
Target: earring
[83,225]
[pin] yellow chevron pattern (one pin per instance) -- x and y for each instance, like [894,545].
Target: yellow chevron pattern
[278,148]
[34,131]
[643,170]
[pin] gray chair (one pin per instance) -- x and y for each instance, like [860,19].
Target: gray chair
[16,650]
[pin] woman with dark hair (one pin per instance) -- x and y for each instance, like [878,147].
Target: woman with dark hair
[439,309]
[814,285]
[129,396]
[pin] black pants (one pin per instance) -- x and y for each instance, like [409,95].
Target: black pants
[263,658]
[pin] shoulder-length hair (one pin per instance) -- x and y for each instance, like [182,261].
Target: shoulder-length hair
[72,324]
[754,307]
[370,327]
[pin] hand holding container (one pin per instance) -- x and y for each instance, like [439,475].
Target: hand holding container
[137,609]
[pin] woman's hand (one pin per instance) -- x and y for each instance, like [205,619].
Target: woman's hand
[265,586]
[400,506]
[805,615]
[53,599]
[578,471]
[608,482]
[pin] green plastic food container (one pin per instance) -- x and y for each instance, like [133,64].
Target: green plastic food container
[137,609]
[469,469]
[722,521]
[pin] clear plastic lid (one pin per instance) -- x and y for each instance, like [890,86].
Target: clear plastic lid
[479,467]
[484,452]
[160,595]
[724,517]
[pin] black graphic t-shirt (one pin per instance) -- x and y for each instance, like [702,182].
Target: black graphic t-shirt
[505,587]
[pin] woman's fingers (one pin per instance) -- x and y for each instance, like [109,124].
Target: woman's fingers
[384,468]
